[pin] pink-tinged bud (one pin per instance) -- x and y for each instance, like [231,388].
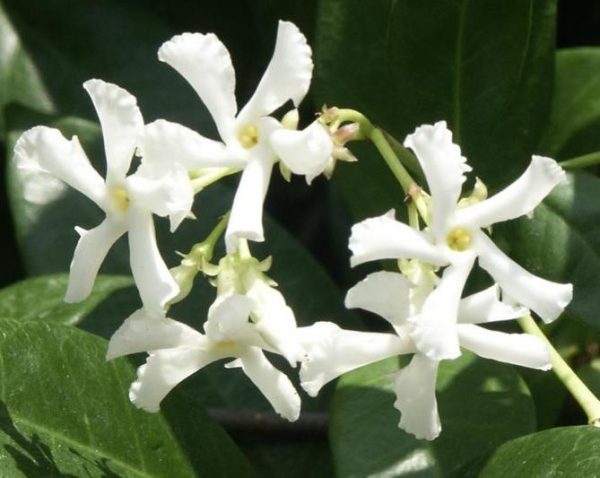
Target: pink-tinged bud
[346,133]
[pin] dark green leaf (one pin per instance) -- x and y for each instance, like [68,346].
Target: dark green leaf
[65,412]
[481,403]
[560,452]
[484,67]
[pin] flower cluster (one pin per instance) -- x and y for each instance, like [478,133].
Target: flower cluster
[158,168]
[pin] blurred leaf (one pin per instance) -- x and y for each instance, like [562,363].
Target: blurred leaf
[481,403]
[562,242]
[484,67]
[575,116]
[558,452]
[65,412]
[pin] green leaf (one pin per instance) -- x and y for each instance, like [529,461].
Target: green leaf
[561,242]
[575,116]
[484,67]
[552,453]
[65,412]
[481,404]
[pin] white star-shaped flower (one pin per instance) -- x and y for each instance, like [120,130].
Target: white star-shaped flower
[455,239]
[127,201]
[251,139]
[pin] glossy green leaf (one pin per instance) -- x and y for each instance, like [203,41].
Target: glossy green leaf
[560,452]
[575,116]
[484,67]
[481,404]
[64,412]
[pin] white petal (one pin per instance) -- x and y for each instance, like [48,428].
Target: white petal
[152,277]
[332,351]
[205,63]
[383,237]
[434,329]
[484,307]
[164,369]
[165,143]
[143,332]
[122,125]
[228,320]
[89,254]
[519,198]
[273,384]
[547,299]
[245,221]
[286,78]
[415,398]
[383,293]
[444,168]
[46,149]
[519,349]
[304,152]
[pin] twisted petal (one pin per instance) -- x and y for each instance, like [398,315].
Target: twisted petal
[89,254]
[228,319]
[415,398]
[332,351]
[245,221]
[46,149]
[383,293]
[164,369]
[484,307]
[383,237]
[434,329]
[165,143]
[122,125]
[520,198]
[143,332]
[273,384]
[304,152]
[152,277]
[547,299]
[444,169]
[206,65]
[518,349]
[286,78]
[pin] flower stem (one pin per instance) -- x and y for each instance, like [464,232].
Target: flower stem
[211,240]
[582,394]
[584,161]
[209,176]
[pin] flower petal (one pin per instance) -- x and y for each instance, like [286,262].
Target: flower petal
[444,168]
[143,332]
[383,237]
[332,351]
[273,384]
[415,398]
[547,299]
[89,254]
[46,149]
[164,369]
[122,125]
[228,320]
[434,329]
[286,78]
[484,307]
[519,198]
[152,277]
[245,220]
[519,349]
[383,293]
[206,65]
[304,152]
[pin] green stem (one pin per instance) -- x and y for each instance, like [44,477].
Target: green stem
[584,161]
[208,177]
[586,399]
[210,242]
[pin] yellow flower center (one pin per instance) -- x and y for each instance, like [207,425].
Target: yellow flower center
[119,199]
[248,136]
[459,239]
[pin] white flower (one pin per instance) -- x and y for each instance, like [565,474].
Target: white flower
[332,351]
[251,139]
[127,201]
[455,239]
